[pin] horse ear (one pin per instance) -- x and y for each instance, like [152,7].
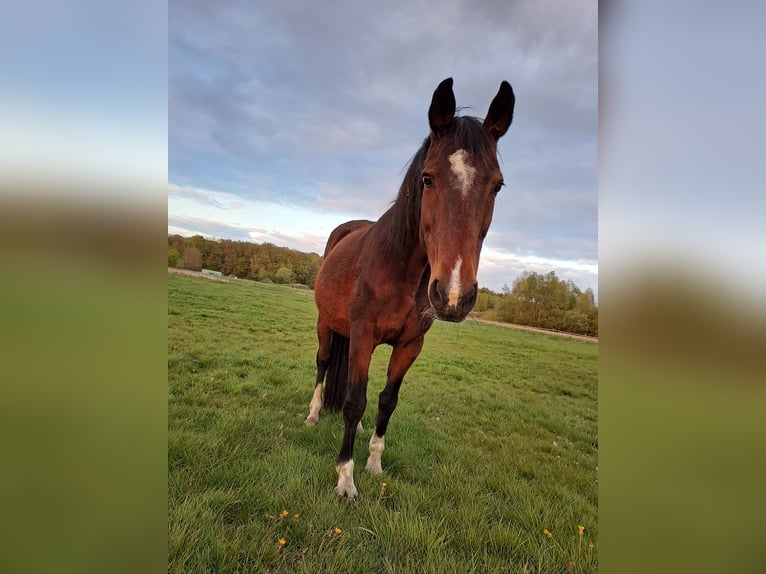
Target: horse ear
[442,110]
[500,112]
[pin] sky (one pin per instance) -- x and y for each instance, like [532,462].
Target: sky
[287,118]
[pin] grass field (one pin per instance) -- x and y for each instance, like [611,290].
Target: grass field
[493,444]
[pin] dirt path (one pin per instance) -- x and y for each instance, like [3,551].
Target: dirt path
[198,274]
[539,330]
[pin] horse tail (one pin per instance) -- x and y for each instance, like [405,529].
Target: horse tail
[336,383]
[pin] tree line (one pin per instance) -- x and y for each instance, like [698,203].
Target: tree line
[245,260]
[535,299]
[542,300]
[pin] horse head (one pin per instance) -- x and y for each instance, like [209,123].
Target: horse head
[460,180]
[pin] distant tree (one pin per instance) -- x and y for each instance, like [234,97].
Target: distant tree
[174,257]
[192,259]
[306,267]
[263,274]
[593,327]
[213,256]
[196,241]
[242,267]
[486,299]
[232,256]
[586,304]
[544,300]
[576,322]
[283,275]
[507,309]
[481,302]
[257,269]
[244,259]
[176,241]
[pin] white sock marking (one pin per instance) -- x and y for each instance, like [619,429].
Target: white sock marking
[315,407]
[453,293]
[346,486]
[377,443]
[464,172]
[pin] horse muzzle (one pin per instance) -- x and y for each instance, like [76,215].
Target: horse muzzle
[449,303]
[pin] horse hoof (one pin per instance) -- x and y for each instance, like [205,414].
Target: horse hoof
[346,486]
[359,427]
[312,420]
[348,492]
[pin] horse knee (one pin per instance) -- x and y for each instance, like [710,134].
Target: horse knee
[353,409]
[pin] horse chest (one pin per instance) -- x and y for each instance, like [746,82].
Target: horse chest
[388,315]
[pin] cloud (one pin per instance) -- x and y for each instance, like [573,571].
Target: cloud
[301,241]
[189,226]
[206,197]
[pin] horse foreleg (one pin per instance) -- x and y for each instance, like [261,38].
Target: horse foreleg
[401,360]
[323,358]
[353,409]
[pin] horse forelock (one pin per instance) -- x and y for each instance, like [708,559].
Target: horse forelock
[469,135]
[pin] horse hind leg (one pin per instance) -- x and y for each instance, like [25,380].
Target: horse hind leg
[401,360]
[315,406]
[323,359]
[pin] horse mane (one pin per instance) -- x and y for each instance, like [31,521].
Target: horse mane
[466,132]
[405,212]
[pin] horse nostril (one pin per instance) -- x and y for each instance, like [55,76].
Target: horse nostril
[437,293]
[470,298]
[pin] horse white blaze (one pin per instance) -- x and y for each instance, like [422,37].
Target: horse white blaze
[377,443]
[315,406]
[464,172]
[453,291]
[346,486]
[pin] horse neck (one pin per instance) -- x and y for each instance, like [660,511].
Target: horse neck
[397,232]
[400,245]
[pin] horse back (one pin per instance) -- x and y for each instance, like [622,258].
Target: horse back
[342,231]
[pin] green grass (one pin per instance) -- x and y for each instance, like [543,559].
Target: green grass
[494,440]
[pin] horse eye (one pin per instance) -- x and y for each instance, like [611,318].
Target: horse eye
[498,186]
[427,180]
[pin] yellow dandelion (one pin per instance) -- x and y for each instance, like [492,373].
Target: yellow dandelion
[384,485]
[547,533]
[338,530]
[284,513]
[295,516]
[282,542]
[580,528]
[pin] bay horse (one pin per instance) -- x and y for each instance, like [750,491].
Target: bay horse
[386,281]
